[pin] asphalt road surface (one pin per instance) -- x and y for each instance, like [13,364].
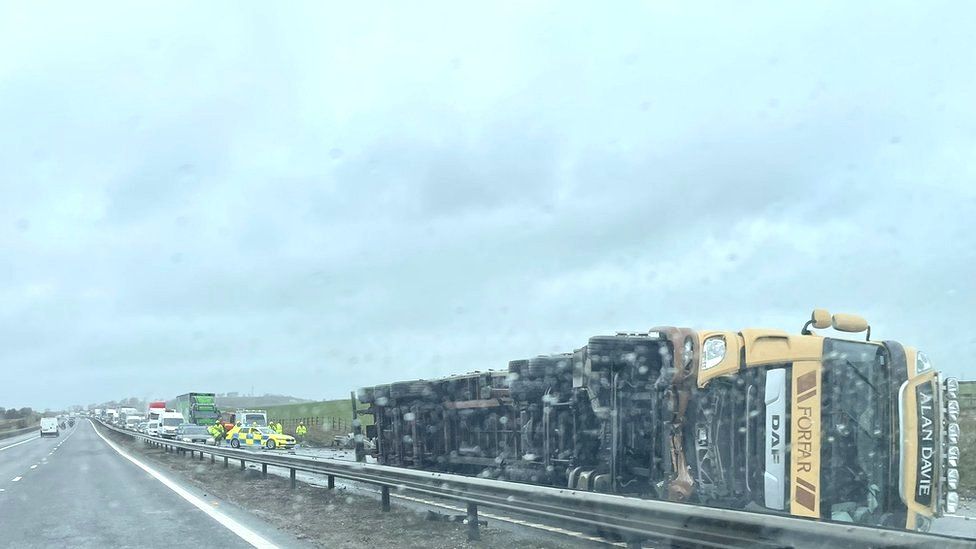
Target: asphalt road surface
[76,490]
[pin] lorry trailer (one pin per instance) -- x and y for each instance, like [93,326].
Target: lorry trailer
[197,408]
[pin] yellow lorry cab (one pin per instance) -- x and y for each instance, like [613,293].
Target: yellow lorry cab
[258,436]
[859,431]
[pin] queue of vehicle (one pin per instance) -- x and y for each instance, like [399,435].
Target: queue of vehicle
[194,417]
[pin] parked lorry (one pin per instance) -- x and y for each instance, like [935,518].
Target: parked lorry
[155,409]
[124,414]
[197,408]
[758,419]
[247,418]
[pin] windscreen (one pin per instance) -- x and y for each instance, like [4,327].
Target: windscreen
[172,421]
[856,426]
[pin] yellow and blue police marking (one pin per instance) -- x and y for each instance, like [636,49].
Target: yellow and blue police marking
[253,439]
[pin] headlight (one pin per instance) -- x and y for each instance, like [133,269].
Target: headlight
[953,456]
[952,388]
[185,439]
[952,408]
[952,502]
[952,478]
[922,523]
[713,351]
[953,432]
[922,363]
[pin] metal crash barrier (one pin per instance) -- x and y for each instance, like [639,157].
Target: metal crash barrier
[616,517]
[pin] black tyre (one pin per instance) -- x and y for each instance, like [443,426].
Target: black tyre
[270,444]
[549,366]
[365,394]
[234,443]
[381,394]
[410,389]
[517,366]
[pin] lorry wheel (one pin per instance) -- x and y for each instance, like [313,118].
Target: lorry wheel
[235,443]
[270,444]
[410,389]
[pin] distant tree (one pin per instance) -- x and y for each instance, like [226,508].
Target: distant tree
[13,413]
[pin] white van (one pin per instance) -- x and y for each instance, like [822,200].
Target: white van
[49,426]
[168,422]
[153,428]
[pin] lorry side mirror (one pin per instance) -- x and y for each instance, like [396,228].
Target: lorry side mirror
[851,323]
[819,319]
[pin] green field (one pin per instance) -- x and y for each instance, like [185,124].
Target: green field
[324,419]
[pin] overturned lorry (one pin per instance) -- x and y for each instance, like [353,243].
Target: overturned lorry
[763,420]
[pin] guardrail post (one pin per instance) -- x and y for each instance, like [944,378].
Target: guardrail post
[242,465]
[225,461]
[473,533]
[385,498]
[331,482]
[264,469]
[213,458]
[201,455]
[292,475]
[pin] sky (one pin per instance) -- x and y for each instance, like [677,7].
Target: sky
[316,197]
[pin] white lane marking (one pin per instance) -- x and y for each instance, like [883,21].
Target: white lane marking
[34,466]
[21,442]
[237,528]
[16,479]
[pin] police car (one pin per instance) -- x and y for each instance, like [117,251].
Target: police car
[258,436]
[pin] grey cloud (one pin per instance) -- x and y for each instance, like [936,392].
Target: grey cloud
[305,205]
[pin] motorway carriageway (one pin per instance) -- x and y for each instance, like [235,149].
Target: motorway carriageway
[78,490]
